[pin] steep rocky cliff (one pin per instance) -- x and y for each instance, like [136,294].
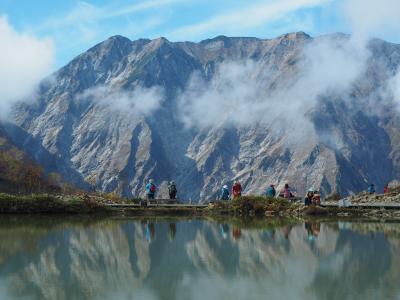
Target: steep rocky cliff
[125,111]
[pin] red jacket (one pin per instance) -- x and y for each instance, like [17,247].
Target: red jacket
[237,190]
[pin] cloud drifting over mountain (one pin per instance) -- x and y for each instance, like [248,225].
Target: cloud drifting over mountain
[24,61]
[244,94]
[239,94]
[140,101]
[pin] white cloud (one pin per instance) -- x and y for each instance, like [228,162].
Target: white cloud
[24,61]
[375,18]
[252,16]
[328,66]
[333,64]
[394,86]
[140,102]
[238,94]
[371,18]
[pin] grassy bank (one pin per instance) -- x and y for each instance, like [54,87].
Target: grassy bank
[256,206]
[243,207]
[42,204]
[268,207]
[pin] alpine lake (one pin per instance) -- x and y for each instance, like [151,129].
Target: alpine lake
[75,257]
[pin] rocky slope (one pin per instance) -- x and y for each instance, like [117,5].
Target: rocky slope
[78,125]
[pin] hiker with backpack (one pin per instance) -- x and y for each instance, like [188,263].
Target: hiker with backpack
[236,190]
[151,190]
[172,191]
[224,194]
[271,192]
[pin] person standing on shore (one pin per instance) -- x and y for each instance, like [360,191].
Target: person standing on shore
[151,190]
[271,192]
[371,189]
[224,193]
[236,190]
[172,191]
[386,189]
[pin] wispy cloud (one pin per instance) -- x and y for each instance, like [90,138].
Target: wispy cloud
[254,15]
[85,12]
[140,101]
[87,24]
[239,95]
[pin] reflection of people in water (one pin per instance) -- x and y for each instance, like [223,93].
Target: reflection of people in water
[172,231]
[313,230]
[286,231]
[224,228]
[316,229]
[150,231]
[236,233]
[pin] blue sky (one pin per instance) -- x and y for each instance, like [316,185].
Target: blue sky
[74,26]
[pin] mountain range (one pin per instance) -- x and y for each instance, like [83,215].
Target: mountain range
[209,113]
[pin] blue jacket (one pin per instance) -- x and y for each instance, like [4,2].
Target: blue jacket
[224,194]
[148,189]
[271,192]
[371,189]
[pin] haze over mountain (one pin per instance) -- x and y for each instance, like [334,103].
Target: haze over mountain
[309,111]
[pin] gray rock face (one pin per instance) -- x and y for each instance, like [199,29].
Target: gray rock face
[117,150]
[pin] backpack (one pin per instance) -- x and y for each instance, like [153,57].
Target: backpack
[152,188]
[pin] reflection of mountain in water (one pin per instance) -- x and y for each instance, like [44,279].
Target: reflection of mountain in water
[196,259]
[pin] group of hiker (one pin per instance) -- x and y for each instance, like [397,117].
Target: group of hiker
[371,189]
[270,192]
[151,190]
[236,191]
[313,196]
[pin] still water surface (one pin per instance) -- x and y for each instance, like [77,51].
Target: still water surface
[64,258]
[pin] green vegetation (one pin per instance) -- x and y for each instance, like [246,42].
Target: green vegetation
[240,210]
[44,203]
[257,206]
